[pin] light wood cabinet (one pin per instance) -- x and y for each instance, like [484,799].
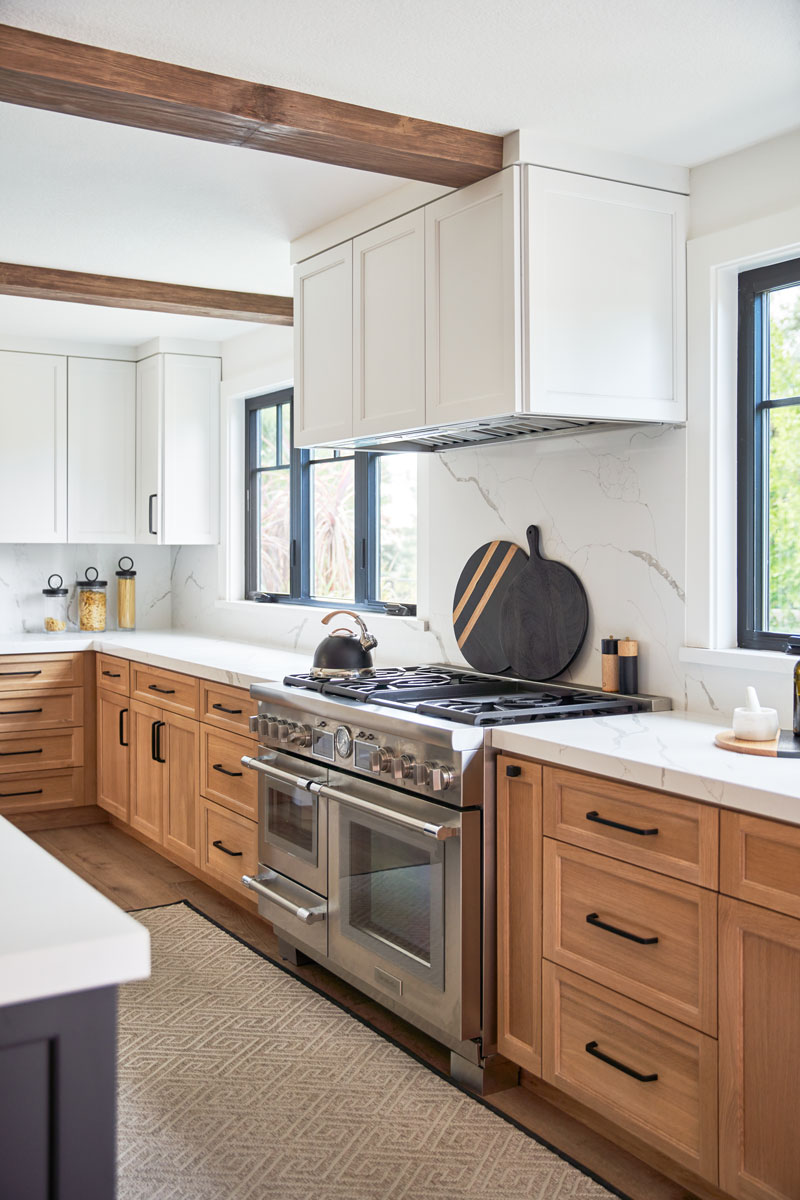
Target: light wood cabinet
[389,327]
[642,934]
[47,749]
[146,771]
[165,778]
[33,447]
[519,911]
[113,674]
[759,1046]
[113,754]
[222,776]
[39,791]
[472,311]
[177,449]
[323,347]
[101,453]
[227,707]
[32,672]
[229,845]
[650,1074]
[170,690]
[760,861]
[24,710]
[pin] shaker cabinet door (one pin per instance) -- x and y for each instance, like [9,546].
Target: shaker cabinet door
[113,727]
[323,348]
[102,450]
[33,447]
[190,446]
[389,327]
[149,398]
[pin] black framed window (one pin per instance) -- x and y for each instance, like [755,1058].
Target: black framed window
[769,456]
[326,526]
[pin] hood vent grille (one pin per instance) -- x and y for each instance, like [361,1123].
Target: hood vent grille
[481,433]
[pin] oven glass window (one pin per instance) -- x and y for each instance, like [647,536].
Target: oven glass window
[292,822]
[392,896]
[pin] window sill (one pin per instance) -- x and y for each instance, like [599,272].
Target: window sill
[371,618]
[773,661]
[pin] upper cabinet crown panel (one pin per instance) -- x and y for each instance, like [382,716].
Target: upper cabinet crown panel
[33,447]
[101,450]
[545,294]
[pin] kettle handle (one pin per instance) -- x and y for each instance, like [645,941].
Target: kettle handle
[368,641]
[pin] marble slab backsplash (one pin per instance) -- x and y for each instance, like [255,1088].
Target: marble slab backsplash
[24,570]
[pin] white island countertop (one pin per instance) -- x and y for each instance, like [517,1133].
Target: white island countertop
[236,663]
[57,934]
[669,751]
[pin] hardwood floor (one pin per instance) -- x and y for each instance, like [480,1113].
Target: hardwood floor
[134,877]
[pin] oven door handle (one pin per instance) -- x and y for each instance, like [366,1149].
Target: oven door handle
[439,832]
[277,775]
[309,916]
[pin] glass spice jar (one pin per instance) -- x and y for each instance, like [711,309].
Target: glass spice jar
[55,605]
[126,594]
[92,602]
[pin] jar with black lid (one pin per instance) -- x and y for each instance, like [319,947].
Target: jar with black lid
[126,594]
[55,605]
[92,602]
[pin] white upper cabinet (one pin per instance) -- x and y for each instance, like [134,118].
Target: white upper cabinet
[177,437]
[33,447]
[389,327]
[606,298]
[323,347]
[472,256]
[101,450]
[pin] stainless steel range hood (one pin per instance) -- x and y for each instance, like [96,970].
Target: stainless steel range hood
[490,430]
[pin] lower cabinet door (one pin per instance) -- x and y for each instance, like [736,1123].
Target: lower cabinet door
[113,754]
[147,770]
[651,1075]
[229,846]
[180,746]
[759,1048]
[519,911]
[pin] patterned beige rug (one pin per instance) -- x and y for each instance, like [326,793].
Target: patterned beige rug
[239,1082]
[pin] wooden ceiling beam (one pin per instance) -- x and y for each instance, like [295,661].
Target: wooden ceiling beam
[39,71]
[43,283]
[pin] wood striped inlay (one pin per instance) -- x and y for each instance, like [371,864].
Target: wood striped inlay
[478,598]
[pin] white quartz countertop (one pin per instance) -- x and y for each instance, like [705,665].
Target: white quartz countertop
[671,751]
[237,663]
[57,934]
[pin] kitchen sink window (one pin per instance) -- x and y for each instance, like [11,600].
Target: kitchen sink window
[769,455]
[326,525]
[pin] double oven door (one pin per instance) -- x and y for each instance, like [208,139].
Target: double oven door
[397,878]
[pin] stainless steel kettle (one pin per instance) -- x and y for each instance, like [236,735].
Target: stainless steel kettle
[343,652]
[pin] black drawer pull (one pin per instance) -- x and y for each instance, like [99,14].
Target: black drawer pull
[150,528]
[513,772]
[122,741]
[20,712]
[595,816]
[113,674]
[593,919]
[235,712]
[155,741]
[225,850]
[10,673]
[7,795]
[224,771]
[164,691]
[591,1048]
[14,753]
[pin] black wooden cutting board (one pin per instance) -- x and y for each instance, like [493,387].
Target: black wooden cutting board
[477,603]
[543,617]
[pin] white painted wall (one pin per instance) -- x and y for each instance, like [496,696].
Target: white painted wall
[756,182]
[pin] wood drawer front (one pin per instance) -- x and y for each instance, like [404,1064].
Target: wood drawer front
[37,792]
[677,1112]
[681,838]
[40,751]
[51,710]
[236,852]
[222,776]
[114,674]
[167,689]
[676,975]
[22,672]
[760,861]
[227,707]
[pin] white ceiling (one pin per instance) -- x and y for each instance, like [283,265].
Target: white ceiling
[681,81]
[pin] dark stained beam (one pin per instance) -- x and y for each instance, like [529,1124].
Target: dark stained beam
[42,283]
[39,71]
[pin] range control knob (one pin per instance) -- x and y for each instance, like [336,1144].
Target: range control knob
[402,767]
[380,760]
[300,735]
[283,731]
[422,773]
[272,726]
[440,778]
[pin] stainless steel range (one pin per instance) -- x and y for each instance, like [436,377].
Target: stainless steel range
[376,832]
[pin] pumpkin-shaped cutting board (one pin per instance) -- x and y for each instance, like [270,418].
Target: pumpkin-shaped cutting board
[544,616]
[478,599]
